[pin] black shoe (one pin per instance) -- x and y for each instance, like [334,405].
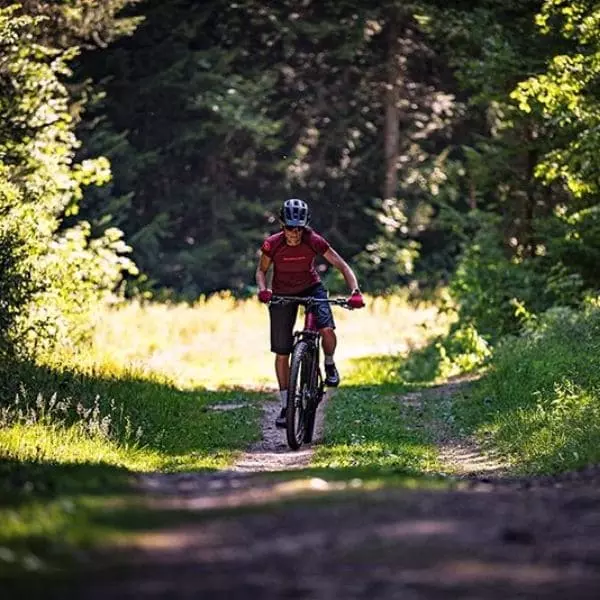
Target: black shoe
[281,421]
[332,377]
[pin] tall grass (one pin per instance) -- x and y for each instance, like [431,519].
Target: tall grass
[221,341]
[540,402]
[152,372]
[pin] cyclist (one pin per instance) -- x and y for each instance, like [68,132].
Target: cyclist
[292,253]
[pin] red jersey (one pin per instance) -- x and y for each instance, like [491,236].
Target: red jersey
[294,266]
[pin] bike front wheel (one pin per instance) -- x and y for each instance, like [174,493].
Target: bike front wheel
[298,395]
[311,412]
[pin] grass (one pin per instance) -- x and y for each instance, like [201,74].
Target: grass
[136,423]
[145,404]
[142,397]
[221,341]
[369,427]
[538,405]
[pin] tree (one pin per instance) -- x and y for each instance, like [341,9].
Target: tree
[215,116]
[51,279]
[564,99]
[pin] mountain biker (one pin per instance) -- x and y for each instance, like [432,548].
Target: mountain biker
[292,253]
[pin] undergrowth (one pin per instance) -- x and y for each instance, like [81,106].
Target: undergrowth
[539,401]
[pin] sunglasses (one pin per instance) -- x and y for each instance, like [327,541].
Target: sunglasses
[293,228]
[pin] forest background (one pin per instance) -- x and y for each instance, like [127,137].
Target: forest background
[146,146]
[449,151]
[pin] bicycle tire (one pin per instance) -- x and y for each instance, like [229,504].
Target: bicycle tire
[296,408]
[313,404]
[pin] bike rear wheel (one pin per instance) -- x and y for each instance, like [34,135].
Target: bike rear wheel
[298,395]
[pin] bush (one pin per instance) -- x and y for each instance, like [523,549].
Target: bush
[498,291]
[538,403]
[463,350]
[49,279]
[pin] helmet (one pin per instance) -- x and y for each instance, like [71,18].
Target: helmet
[295,213]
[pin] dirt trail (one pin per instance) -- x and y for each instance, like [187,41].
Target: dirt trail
[477,539]
[459,456]
[230,487]
[272,452]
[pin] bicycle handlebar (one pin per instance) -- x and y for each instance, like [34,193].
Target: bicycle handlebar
[309,300]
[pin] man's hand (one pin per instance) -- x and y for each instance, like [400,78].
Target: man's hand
[265,296]
[356,300]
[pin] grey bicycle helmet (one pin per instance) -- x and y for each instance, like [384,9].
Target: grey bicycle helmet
[295,213]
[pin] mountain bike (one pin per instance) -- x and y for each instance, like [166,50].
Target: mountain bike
[306,386]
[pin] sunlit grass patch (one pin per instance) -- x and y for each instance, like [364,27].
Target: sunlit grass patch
[221,341]
[140,425]
[539,405]
[368,426]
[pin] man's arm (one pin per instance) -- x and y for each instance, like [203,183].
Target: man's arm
[264,263]
[339,263]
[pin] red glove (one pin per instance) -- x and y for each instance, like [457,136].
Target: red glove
[356,300]
[265,296]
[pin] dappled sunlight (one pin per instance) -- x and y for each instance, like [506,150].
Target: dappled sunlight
[221,341]
[405,457]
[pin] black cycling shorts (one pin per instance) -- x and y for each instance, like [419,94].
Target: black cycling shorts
[283,319]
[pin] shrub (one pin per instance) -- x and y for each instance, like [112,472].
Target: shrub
[49,278]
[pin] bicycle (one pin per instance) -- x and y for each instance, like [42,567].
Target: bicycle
[306,386]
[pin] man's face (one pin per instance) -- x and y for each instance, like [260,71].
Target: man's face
[293,235]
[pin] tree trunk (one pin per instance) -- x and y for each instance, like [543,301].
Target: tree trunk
[392,99]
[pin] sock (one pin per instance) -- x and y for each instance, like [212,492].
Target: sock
[283,398]
[329,359]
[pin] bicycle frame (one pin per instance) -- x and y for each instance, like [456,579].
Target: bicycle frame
[306,399]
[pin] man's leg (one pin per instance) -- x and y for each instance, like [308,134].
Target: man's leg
[329,343]
[282,323]
[282,370]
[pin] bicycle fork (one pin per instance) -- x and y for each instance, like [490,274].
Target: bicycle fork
[316,385]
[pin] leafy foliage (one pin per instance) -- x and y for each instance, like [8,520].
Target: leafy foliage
[538,404]
[51,279]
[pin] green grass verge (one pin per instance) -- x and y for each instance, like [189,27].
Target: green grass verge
[127,420]
[539,404]
[370,428]
[69,442]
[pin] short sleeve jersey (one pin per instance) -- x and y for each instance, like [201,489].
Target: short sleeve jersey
[294,266]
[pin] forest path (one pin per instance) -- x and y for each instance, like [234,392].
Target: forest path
[241,533]
[272,453]
[460,456]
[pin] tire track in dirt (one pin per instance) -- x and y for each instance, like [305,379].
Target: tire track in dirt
[272,453]
[459,456]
